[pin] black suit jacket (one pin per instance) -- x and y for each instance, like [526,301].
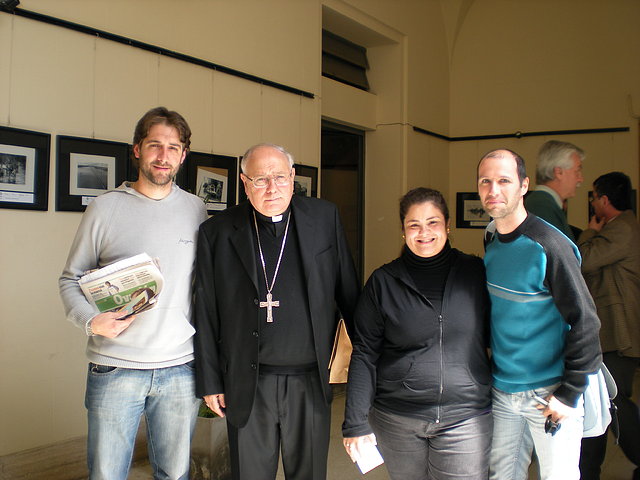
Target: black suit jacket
[227,312]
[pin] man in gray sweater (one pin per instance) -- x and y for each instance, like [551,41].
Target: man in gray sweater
[141,364]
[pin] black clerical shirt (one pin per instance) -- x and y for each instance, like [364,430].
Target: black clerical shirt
[288,340]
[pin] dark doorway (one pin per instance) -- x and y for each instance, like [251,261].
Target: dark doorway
[342,167]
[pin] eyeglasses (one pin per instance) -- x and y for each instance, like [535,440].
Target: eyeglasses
[262,182]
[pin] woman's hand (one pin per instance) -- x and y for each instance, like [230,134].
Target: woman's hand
[353,444]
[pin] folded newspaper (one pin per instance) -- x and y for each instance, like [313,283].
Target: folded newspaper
[129,286]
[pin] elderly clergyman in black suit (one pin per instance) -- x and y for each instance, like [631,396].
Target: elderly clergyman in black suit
[269,274]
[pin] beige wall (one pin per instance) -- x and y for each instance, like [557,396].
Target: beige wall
[456,67]
[62,82]
[409,77]
[546,65]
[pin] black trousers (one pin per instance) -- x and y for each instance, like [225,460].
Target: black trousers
[594,449]
[289,415]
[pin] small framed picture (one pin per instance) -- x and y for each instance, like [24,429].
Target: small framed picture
[24,169]
[306,181]
[211,177]
[469,211]
[87,168]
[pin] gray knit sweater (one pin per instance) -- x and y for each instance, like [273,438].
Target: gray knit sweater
[123,223]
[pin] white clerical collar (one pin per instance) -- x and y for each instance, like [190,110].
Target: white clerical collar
[552,192]
[274,219]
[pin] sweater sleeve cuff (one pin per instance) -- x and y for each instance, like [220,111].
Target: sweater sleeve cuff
[356,431]
[82,316]
[567,396]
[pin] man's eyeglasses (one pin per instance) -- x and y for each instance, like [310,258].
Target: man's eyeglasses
[262,182]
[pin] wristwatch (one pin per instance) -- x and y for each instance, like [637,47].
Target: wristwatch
[87,328]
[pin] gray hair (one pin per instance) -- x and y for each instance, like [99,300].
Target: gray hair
[247,155]
[555,154]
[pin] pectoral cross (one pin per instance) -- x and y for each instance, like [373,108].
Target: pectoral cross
[269,304]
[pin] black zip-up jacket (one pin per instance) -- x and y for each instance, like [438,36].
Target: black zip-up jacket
[411,360]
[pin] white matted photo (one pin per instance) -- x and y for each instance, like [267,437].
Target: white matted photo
[211,187]
[302,185]
[91,175]
[474,212]
[17,168]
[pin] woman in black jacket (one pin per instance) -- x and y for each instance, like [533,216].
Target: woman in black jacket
[419,376]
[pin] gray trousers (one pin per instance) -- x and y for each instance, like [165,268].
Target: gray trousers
[414,449]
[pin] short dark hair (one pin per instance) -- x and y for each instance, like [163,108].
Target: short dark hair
[161,116]
[421,195]
[617,187]
[520,165]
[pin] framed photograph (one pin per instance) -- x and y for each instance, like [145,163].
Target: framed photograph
[87,168]
[469,211]
[24,169]
[211,177]
[306,181]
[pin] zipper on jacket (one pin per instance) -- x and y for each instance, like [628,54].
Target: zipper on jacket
[441,367]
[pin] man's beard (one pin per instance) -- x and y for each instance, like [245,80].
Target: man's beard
[159,178]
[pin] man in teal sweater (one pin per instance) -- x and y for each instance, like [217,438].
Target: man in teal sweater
[558,174]
[544,331]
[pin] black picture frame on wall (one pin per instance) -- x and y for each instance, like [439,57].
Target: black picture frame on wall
[305,182]
[469,211]
[24,169]
[242,194]
[211,177]
[86,168]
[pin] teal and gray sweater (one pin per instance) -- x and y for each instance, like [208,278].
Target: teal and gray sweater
[544,326]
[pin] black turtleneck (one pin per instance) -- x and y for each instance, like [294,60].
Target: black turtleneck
[429,274]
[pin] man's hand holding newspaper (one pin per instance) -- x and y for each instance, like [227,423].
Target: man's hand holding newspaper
[120,291]
[110,324]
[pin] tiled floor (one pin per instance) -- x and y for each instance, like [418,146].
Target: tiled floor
[616,466]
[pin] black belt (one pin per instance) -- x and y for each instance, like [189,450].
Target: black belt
[288,369]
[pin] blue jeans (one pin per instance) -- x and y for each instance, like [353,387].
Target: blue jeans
[518,428]
[415,449]
[117,397]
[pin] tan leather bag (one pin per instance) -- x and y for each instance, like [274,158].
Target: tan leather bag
[340,356]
